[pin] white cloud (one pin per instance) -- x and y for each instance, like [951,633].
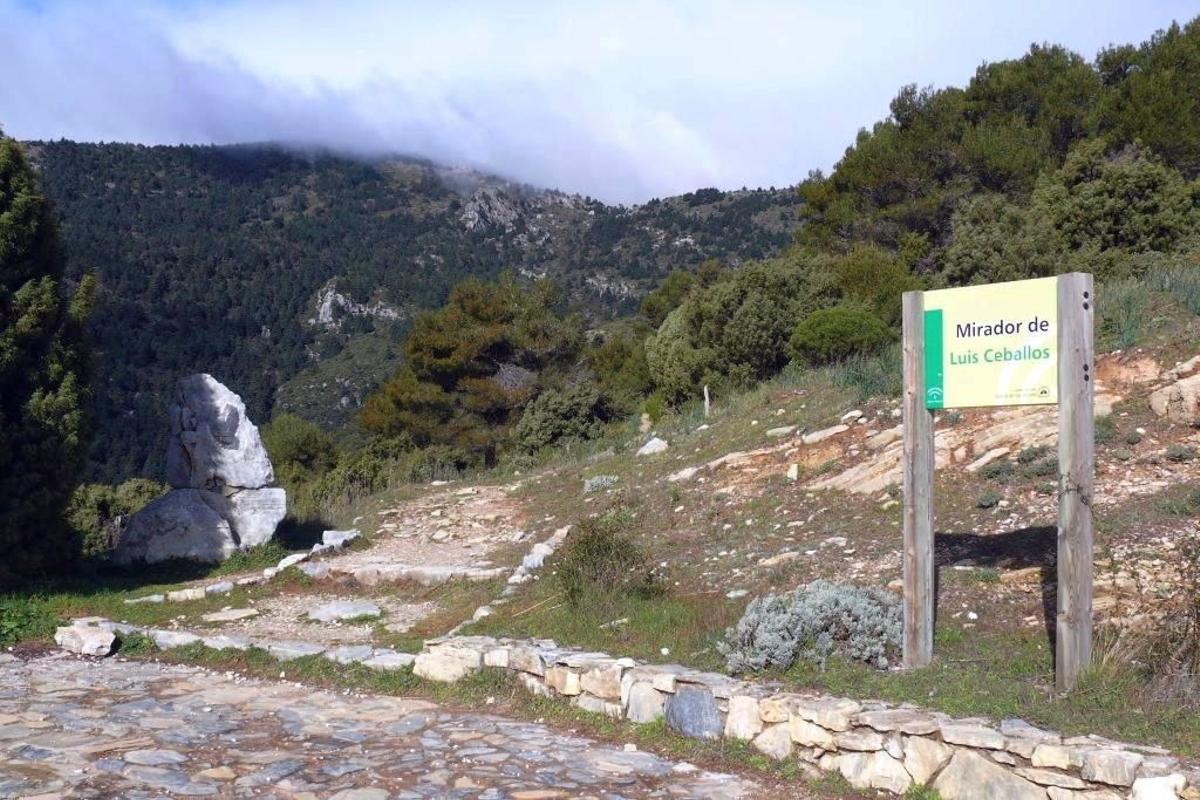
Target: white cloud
[620,99]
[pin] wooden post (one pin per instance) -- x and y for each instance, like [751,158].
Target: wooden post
[918,491]
[707,402]
[1076,469]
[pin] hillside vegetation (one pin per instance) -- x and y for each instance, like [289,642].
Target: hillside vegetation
[260,265]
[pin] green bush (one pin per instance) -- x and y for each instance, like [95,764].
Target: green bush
[871,375]
[23,618]
[600,562]
[1032,453]
[834,334]
[299,449]
[1181,452]
[574,413]
[990,498]
[1105,430]
[98,512]
[1122,306]
[999,471]
[1042,468]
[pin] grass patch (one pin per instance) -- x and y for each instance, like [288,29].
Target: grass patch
[1011,674]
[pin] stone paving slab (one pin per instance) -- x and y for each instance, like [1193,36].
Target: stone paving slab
[129,729]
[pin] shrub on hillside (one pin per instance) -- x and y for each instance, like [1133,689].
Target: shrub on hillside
[835,334]
[97,512]
[574,413]
[601,562]
[299,449]
[813,623]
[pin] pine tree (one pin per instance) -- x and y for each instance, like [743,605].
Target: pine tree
[43,378]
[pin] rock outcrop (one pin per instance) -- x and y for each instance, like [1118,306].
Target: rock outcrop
[223,499]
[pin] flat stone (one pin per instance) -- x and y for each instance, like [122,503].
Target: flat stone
[225,642]
[168,640]
[219,588]
[230,615]
[150,598]
[289,651]
[603,681]
[1046,777]
[924,757]
[85,640]
[442,667]
[390,660]
[833,713]
[693,712]
[1055,756]
[182,595]
[904,720]
[861,739]
[1114,767]
[819,436]
[809,734]
[969,776]
[775,741]
[339,539]
[350,653]
[778,433]
[154,758]
[290,561]
[971,734]
[341,610]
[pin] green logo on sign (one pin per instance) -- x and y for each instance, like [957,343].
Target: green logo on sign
[935,367]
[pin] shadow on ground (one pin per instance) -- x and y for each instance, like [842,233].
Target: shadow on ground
[1018,549]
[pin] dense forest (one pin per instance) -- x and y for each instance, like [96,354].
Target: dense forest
[222,259]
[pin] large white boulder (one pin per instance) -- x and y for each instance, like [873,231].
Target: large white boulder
[180,524]
[213,443]
[253,514]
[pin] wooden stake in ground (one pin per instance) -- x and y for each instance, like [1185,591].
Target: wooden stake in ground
[1076,470]
[918,491]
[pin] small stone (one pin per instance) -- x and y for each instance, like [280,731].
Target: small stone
[289,651]
[924,757]
[903,720]
[971,734]
[775,741]
[874,771]
[168,640]
[743,720]
[215,589]
[85,640]
[808,734]
[154,758]
[180,595]
[1056,756]
[339,539]
[341,610]
[821,435]
[230,615]
[833,713]
[778,433]
[793,472]
[645,703]
[861,739]
[290,561]
[655,445]
[388,660]
[150,598]
[1114,767]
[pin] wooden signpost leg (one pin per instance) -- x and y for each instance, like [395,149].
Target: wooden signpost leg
[1076,468]
[918,491]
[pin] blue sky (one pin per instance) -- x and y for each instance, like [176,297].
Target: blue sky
[620,99]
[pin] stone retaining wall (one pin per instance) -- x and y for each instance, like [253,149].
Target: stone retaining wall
[874,745]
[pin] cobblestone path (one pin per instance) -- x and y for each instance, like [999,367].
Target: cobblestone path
[103,729]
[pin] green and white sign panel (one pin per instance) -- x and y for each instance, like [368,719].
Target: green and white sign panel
[992,345]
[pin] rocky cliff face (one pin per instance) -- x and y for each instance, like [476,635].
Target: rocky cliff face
[223,498]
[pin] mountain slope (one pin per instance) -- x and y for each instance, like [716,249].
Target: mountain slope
[256,263]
